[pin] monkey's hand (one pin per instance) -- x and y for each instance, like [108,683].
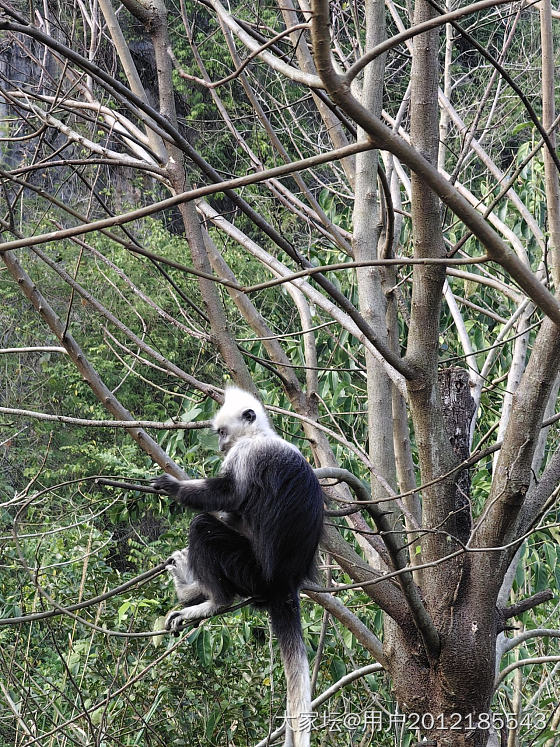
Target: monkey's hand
[167,484]
[213,494]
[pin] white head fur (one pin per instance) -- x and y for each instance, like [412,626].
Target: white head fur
[241,416]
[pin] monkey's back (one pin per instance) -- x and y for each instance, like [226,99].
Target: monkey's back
[281,505]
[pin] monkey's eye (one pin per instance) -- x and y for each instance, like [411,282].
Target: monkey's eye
[249,416]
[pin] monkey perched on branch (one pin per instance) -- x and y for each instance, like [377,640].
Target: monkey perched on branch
[257,537]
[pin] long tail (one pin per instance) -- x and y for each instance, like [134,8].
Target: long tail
[286,624]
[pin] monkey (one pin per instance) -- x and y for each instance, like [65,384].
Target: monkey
[257,537]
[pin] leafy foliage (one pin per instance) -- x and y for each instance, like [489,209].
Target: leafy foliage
[87,677]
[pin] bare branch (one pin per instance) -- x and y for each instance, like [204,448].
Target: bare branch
[421,617]
[497,249]
[523,663]
[530,603]
[527,635]
[157,425]
[415,30]
[77,356]
[183,197]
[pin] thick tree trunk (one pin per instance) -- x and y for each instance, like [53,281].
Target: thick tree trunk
[457,680]
[451,696]
[458,411]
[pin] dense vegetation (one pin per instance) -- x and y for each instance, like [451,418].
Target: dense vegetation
[133,300]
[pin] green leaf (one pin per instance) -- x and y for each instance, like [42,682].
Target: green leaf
[203,647]
[123,610]
[337,668]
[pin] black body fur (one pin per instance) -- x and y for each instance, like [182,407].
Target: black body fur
[257,537]
[264,547]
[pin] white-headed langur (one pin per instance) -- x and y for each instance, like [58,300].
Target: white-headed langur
[257,537]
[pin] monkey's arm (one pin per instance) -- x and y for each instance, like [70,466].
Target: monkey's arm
[212,494]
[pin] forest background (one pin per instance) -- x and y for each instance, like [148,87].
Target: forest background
[353,210]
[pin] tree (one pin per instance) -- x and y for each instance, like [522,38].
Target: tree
[420,319]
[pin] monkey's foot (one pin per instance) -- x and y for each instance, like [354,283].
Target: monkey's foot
[174,622]
[187,587]
[177,619]
[178,563]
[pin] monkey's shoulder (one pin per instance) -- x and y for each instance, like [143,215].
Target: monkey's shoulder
[265,451]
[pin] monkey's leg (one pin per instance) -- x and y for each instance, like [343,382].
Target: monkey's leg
[199,571]
[222,562]
[187,587]
[175,619]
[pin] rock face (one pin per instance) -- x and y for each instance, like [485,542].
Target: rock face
[15,66]
[27,67]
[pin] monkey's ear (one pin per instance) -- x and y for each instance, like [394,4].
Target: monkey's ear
[249,416]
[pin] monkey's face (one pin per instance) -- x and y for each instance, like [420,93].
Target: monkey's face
[241,416]
[224,440]
[231,429]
